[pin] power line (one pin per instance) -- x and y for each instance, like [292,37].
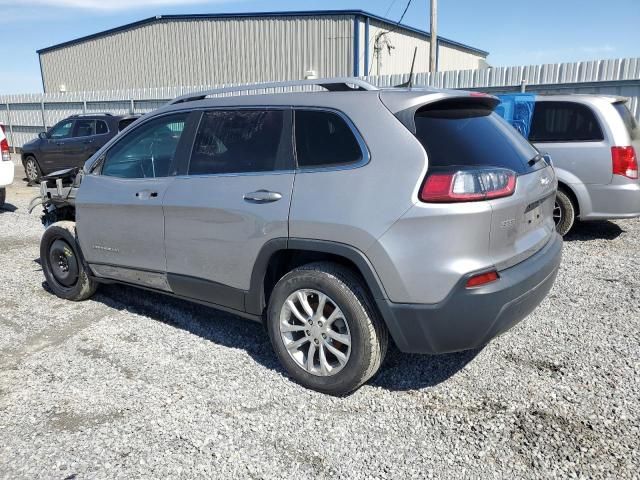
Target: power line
[395,27]
[389,9]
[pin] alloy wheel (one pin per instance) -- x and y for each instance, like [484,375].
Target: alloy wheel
[315,332]
[557,214]
[31,169]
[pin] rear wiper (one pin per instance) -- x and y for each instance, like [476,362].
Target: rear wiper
[535,159]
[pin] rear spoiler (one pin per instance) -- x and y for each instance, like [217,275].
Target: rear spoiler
[405,108]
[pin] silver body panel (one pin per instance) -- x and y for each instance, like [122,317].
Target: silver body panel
[585,167]
[119,228]
[212,233]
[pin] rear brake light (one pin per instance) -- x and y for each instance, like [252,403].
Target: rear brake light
[624,162]
[468,185]
[4,147]
[482,279]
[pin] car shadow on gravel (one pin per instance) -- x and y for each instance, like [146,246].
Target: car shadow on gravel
[399,372]
[596,230]
[8,207]
[403,371]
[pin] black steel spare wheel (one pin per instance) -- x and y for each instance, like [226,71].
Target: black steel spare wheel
[64,263]
[66,273]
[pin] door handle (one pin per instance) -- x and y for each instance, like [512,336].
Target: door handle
[262,196]
[88,141]
[146,194]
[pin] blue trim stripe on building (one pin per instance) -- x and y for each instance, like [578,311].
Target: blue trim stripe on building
[356,46]
[366,46]
[308,13]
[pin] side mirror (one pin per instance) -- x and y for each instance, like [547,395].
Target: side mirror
[42,135]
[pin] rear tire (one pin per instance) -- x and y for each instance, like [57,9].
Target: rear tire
[345,352]
[63,265]
[3,196]
[32,169]
[564,213]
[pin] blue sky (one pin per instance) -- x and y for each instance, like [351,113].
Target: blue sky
[515,32]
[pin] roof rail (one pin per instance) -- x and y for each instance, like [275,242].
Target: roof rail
[92,114]
[339,84]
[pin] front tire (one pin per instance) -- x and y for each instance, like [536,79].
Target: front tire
[564,213]
[31,170]
[324,328]
[63,265]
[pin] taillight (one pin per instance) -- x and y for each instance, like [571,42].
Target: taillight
[468,185]
[624,162]
[482,279]
[4,147]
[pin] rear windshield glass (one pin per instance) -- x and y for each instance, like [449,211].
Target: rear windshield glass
[458,135]
[627,118]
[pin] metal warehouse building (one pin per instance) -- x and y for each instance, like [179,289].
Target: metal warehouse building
[218,49]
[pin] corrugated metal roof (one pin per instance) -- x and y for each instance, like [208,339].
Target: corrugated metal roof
[213,16]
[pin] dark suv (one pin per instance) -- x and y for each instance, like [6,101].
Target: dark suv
[70,143]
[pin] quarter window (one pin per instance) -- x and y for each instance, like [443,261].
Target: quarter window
[239,141]
[564,122]
[62,130]
[147,151]
[324,139]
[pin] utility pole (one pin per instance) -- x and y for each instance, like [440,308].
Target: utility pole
[433,47]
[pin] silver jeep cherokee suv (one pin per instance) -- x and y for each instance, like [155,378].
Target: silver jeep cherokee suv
[338,217]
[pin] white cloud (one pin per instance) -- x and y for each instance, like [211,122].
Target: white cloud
[107,5]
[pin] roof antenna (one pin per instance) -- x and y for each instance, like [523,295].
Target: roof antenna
[409,83]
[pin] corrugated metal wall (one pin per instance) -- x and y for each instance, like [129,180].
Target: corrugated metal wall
[395,50]
[25,115]
[451,58]
[205,52]
[398,58]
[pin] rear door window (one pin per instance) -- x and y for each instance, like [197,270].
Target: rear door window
[455,133]
[564,122]
[324,139]
[240,141]
[85,128]
[101,127]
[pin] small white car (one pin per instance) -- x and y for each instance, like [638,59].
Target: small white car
[6,166]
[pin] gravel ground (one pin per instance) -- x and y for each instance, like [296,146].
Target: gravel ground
[136,385]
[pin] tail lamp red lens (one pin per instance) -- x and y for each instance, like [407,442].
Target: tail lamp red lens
[4,147]
[468,185]
[624,162]
[482,279]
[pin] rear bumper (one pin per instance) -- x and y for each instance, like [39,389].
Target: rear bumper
[470,318]
[620,200]
[6,173]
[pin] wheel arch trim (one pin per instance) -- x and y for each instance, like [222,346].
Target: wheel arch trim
[255,301]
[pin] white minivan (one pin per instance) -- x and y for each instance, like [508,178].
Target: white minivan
[6,166]
[593,141]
